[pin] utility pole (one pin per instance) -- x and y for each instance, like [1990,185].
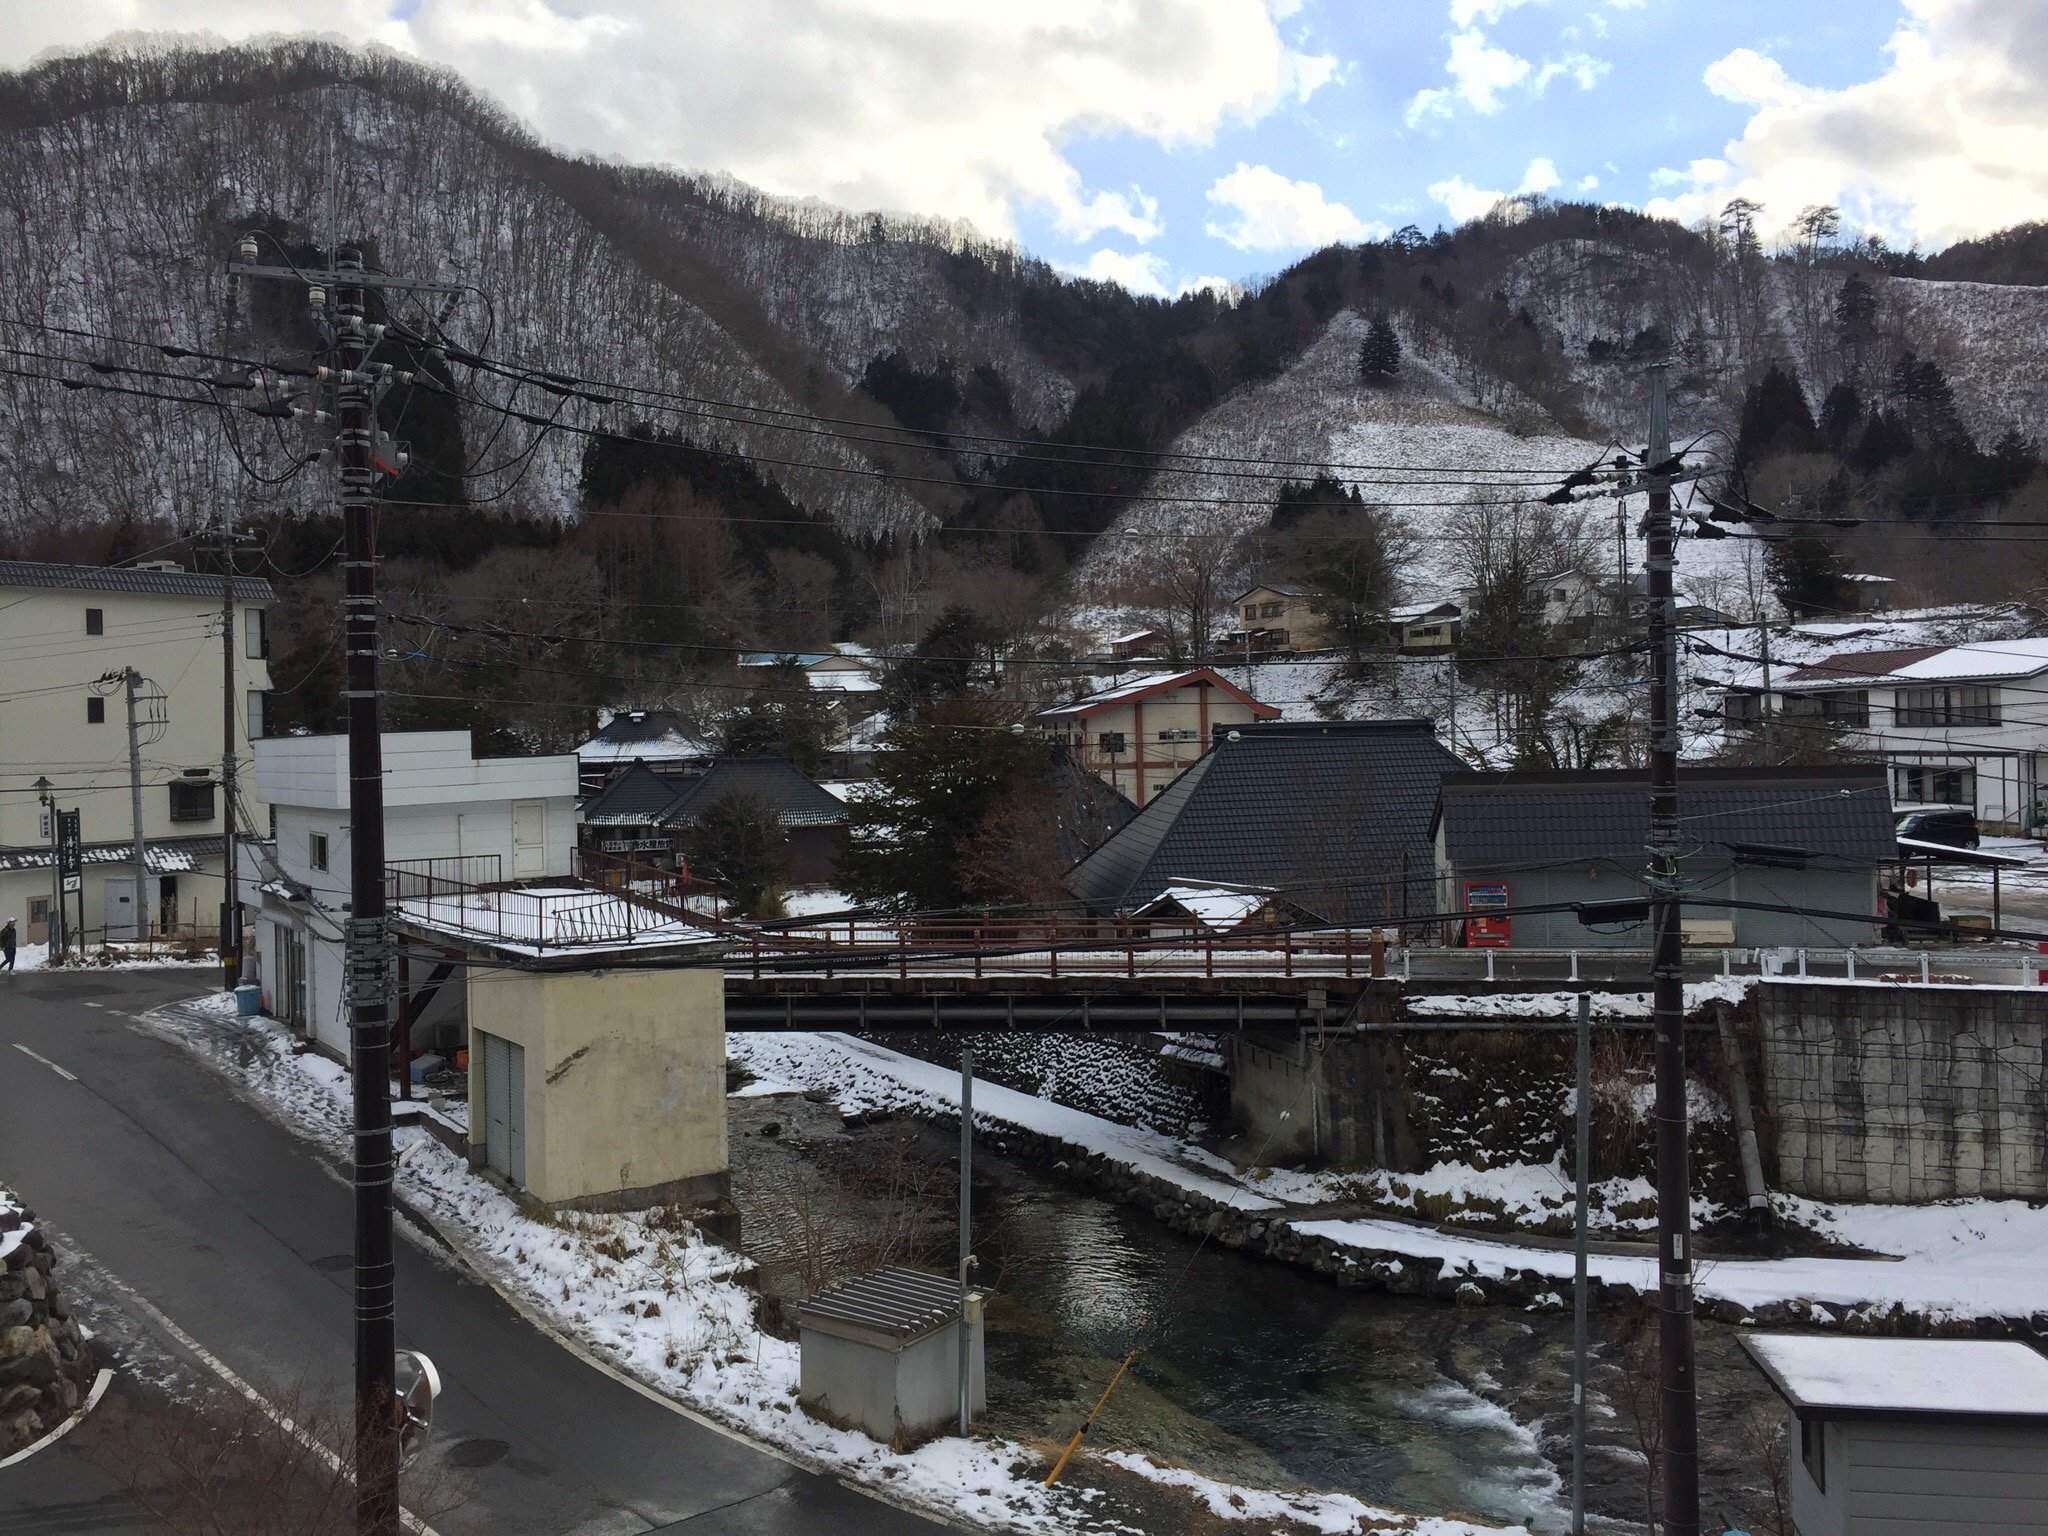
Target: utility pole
[966,1234]
[369,946]
[1582,1155]
[131,683]
[231,904]
[1677,1381]
[368,978]
[1763,635]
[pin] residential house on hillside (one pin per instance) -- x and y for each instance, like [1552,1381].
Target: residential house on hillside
[1427,629]
[1135,645]
[1277,616]
[845,668]
[643,816]
[69,633]
[449,817]
[1330,817]
[1139,734]
[1809,838]
[638,735]
[1954,725]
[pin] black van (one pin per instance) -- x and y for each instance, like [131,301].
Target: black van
[1951,825]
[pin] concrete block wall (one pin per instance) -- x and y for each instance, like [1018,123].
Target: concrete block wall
[1905,1093]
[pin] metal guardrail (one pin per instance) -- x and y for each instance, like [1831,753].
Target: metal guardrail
[551,914]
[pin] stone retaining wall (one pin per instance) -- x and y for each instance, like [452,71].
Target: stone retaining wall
[45,1365]
[1905,1092]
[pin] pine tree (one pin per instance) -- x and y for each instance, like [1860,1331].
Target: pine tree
[739,843]
[1379,359]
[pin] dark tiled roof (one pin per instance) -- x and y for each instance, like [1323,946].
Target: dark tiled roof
[167,855]
[121,578]
[638,796]
[1861,664]
[1516,820]
[1335,816]
[641,725]
[775,781]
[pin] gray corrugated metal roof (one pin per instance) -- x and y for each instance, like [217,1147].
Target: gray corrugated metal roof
[893,1300]
[120,578]
[1335,815]
[1514,820]
[167,855]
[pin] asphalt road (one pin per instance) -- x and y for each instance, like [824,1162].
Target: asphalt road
[181,1190]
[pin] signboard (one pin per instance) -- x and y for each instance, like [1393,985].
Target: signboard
[1483,931]
[70,852]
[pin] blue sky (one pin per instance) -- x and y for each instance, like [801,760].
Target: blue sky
[1162,143]
[1649,109]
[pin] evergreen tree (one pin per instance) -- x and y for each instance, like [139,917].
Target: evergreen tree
[739,843]
[1855,316]
[1840,415]
[1807,571]
[939,778]
[1379,359]
[783,717]
[1775,419]
[954,659]
[1349,563]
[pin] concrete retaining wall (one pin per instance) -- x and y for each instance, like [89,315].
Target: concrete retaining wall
[1905,1093]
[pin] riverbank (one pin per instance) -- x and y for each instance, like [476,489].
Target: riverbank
[1957,1267]
[649,1295]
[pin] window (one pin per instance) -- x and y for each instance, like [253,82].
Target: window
[316,849]
[1180,735]
[1113,743]
[95,711]
[259,714]
[1940,786]
[191,799]
[1947,706]
[1251,610]
[38,911]
[95,621]
[1850,708]
[1270,610]
[255,638]
[1813,1451]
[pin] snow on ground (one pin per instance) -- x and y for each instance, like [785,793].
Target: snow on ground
[1564,1005]
[1959,1259]
[34,957]
[656,1300]
[816,903]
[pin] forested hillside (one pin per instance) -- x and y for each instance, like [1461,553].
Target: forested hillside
[735,422]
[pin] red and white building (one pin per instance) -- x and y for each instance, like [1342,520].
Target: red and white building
[1139,735]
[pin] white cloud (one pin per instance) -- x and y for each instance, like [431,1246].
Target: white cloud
[1950,141]
[1465,202]
[1482,73]
[1139,271]
[1275,213]
[957,111]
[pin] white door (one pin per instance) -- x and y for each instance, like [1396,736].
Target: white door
[120,908]
[504,1108]
[529,839]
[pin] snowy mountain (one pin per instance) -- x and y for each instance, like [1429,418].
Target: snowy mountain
[886,375]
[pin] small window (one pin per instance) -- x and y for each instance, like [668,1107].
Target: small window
[1113,743]
[191,799]
[1813,1451]
[95,621]
[316,849]
[259,714]
[1270,610]
[255,638]
[38,911]
[95,711]
[1251,610]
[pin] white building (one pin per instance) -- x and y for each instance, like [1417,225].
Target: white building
[1956,725]
[463,820]
[67,634]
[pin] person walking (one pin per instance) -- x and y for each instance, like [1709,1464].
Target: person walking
[7,943]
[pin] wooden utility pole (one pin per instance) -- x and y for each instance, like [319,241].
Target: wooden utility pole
[231,899]
[1677,1379]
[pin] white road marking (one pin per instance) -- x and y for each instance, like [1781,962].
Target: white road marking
[92,1401]
[39,1056]
[226,1373]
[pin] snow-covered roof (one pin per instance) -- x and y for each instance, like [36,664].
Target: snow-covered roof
[1132,637]
[1212,903]
[1982,659]
[1148,683]
[654,734]
[1831,1376]
[538,921]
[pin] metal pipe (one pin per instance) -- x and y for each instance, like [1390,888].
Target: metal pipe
[966,1231]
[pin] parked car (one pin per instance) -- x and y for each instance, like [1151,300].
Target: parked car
[1951,825]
